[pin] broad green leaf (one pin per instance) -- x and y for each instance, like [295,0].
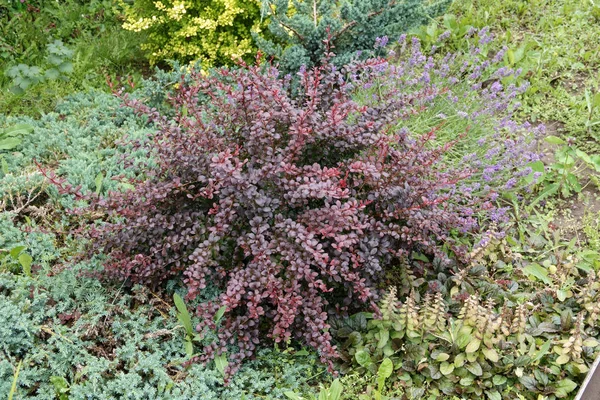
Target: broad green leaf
[543,351]
[473,346]
[490,354]
[584,156]
[474,368]
[386,368]
[467,381]
[15,251]
[420,257]
[564,387]
[384,336]
[323,394]
[9,143]
[442,357]
[561,295]
[292,396]
[98,181]
[522,361]
[66,67]
[219,314]
[59,382]
[25,260]
[183,315]
[499,380]
[446,368]
[450,21]
[463,339]
[537,166]
[574,182]
[362,358]
[511,56]
[459,360]
[493,395]
[335,391]
[54,59]
[554,140]
[590,342]
[19,130]
[221,363]
[189,347]
[563,359]
[52,74]
[529,382]
[431,30]
[538,272]
[302,352]
[541,377]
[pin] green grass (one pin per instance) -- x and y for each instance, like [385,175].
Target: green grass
[555,42]
[92,29]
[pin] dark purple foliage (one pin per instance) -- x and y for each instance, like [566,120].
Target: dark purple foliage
[292,205]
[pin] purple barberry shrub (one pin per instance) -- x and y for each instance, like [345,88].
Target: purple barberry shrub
[295,205]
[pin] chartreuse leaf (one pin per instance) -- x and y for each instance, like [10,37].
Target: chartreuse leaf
[564,387]
[554,140]
[189,346]
[473,346]
[499,380]
[98,181]
[493,395]
[219,314]
[491,354]
[25,260]
[362,358]
[15,251]
[446,368]
[13,387]
[562,359]
[335,391]
[538,272]
[9,143]
[385,371]
[543,351]
[183,315]
[384,336]
[19,130]
[221,363]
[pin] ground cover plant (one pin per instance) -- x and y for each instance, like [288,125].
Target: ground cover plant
[492,292]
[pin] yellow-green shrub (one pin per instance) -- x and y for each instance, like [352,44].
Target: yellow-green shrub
[213,31]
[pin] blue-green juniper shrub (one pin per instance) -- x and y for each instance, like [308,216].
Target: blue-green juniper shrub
[299,28]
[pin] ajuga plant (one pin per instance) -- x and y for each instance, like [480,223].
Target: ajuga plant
[299,27]
[295,206]
[502,327]
[216,32]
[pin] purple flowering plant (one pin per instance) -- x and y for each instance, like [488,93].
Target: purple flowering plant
[477,94]
[296,205]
